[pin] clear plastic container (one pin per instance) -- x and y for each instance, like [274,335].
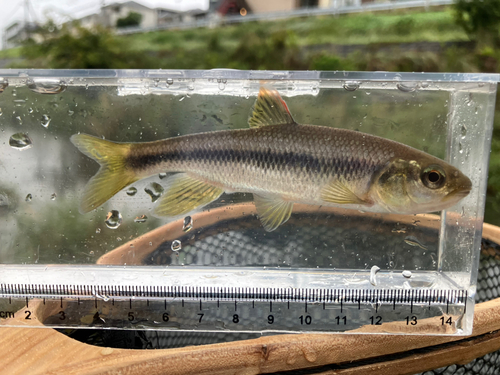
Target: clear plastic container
[42,177]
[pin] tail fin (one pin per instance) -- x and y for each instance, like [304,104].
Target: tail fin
[113,175]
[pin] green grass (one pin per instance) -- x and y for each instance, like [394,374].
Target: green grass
[412,26]
[12,53]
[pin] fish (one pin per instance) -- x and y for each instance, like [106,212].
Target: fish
[281,163]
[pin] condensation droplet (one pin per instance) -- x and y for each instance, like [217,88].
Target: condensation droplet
[188,224]
[407,87]
[222,84]
[351,85]
[47,86]
[463,131]
[20,141]
[3,84]
[30,110]
[141,219]
[53,196]
[98,230]
[373,275]
[162,176]
[154,190]
[131,191]
[113,219]
[176,245]
[1,113]
[170,81]
[45,121]
[460,148]
[406,274]
[28,198]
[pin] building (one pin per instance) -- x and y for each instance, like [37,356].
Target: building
[17,32]
[243,7]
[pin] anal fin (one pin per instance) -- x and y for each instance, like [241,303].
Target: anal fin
[272,211]
[184,194]
[337,192]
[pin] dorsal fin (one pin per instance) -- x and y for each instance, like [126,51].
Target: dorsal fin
[269,109]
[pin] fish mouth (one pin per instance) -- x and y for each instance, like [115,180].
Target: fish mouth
[460,192]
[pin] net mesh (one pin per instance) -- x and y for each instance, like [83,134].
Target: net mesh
[488,288]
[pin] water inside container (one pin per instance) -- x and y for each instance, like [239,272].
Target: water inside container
[43,175]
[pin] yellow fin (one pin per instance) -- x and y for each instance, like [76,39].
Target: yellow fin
[272,211]
[336,192]
[113,175]
[269,109]
[184,194]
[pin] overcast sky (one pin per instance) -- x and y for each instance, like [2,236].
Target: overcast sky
[13,10]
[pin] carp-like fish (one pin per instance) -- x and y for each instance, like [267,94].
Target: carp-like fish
[281,163]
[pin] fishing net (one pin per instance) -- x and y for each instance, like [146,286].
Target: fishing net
[240,248]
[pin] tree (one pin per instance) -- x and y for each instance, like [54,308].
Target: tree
[480,19]
[75,47]
[132,19]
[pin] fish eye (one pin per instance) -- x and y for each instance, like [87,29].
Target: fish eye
[433,177]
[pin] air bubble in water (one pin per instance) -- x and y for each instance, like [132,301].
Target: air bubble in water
[47,86]
[463,131]
[373,275]
[351,85]
[3,84]
[20,141]
[53,197]
[154,190]
[188,224]
[176,245]
[113,219]
[407,87]
[141,219]
[28,198]
[131,191]
[45,121]
[406,274]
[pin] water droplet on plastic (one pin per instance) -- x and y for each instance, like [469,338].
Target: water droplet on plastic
[4,200]
[460,148]
[373,275]
[1,113]
[45,121]
[53,196]
[463,131]
[176,245]
[351,85]
[162,176]
[141,219]
[46,86]
[113,219]
[154,190]
[30,110]
[131,191]
[170,81]
[91,253]
[20,141]
[28,198]
[222,84]
[188,224]
[19,119]
[407,87]
[3,85]
[98,230]
[406,274]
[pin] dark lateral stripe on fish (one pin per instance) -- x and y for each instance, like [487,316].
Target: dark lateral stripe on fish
[263,159]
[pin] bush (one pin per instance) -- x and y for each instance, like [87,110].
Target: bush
[132,19]
[480,19]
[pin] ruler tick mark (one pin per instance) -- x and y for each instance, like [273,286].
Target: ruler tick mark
[234,305]
[200,304]
[270,306]
[306,306]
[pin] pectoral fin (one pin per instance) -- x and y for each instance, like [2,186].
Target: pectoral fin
[337,192]
[272,211]
[185,193]
[269,109]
